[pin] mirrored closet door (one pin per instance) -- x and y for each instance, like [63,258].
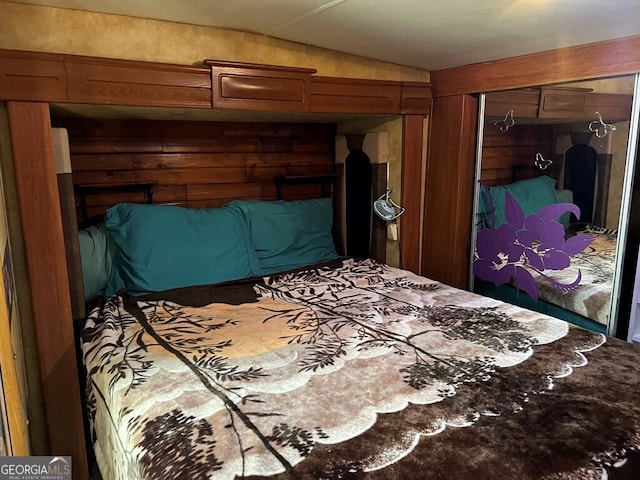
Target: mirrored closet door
[553,183]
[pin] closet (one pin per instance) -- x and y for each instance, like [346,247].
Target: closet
[552,199]
[450,171]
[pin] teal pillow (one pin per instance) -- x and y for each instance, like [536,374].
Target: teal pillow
[161,247]
[97,250]
[289,234]
[531,194]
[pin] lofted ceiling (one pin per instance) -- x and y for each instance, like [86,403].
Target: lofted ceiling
[427,34]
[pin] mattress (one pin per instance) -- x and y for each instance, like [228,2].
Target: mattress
[595,267]
[353,370]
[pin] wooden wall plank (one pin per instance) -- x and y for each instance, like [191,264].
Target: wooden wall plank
[115,145]
[128,161]
[210,144]
[194,163]
[303,170]
[231,190]
[518,146]
[183,176]
[104,177]
[265,174]
[289,159]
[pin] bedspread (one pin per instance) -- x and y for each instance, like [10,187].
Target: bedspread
[596,267]
[353,370]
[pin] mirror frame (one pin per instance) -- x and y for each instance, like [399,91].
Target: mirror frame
[625,207]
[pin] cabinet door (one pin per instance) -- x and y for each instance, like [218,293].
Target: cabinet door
[523,103]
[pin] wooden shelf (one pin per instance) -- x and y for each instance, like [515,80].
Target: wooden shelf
[82,191]
[326,183]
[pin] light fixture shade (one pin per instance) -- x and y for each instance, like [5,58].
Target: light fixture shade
[386,208]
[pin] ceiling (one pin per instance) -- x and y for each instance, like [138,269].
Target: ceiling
[427,34]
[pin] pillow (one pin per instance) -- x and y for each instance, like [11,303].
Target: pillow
[531,194]
[289,234]
[162,247]
[97,250]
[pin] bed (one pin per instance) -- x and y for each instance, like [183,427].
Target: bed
[581,290]
[596,265]
[295,362]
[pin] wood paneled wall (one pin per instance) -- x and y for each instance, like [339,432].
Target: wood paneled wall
[194,164]
[501,151]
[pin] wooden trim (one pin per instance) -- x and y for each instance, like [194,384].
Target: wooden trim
[410,226]
[120,82]
[32,76]
[72,250]
[50,77]
[609,58]
[39,206]
[259,67]
[17,431]
[522,103]
[416,98]
[379,226]
[449,190]
[347,95]
[557,102]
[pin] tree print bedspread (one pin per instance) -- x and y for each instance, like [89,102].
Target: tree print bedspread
[595,267]
[353,370]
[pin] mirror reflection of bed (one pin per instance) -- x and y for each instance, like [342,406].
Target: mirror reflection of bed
[547,146]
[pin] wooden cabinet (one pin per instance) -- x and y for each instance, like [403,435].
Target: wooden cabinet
[523,103]
[555,103]
[216,85]
[246,86]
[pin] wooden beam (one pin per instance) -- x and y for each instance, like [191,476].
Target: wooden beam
[410,222]
[602,59]
[39,206]
[449,190]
